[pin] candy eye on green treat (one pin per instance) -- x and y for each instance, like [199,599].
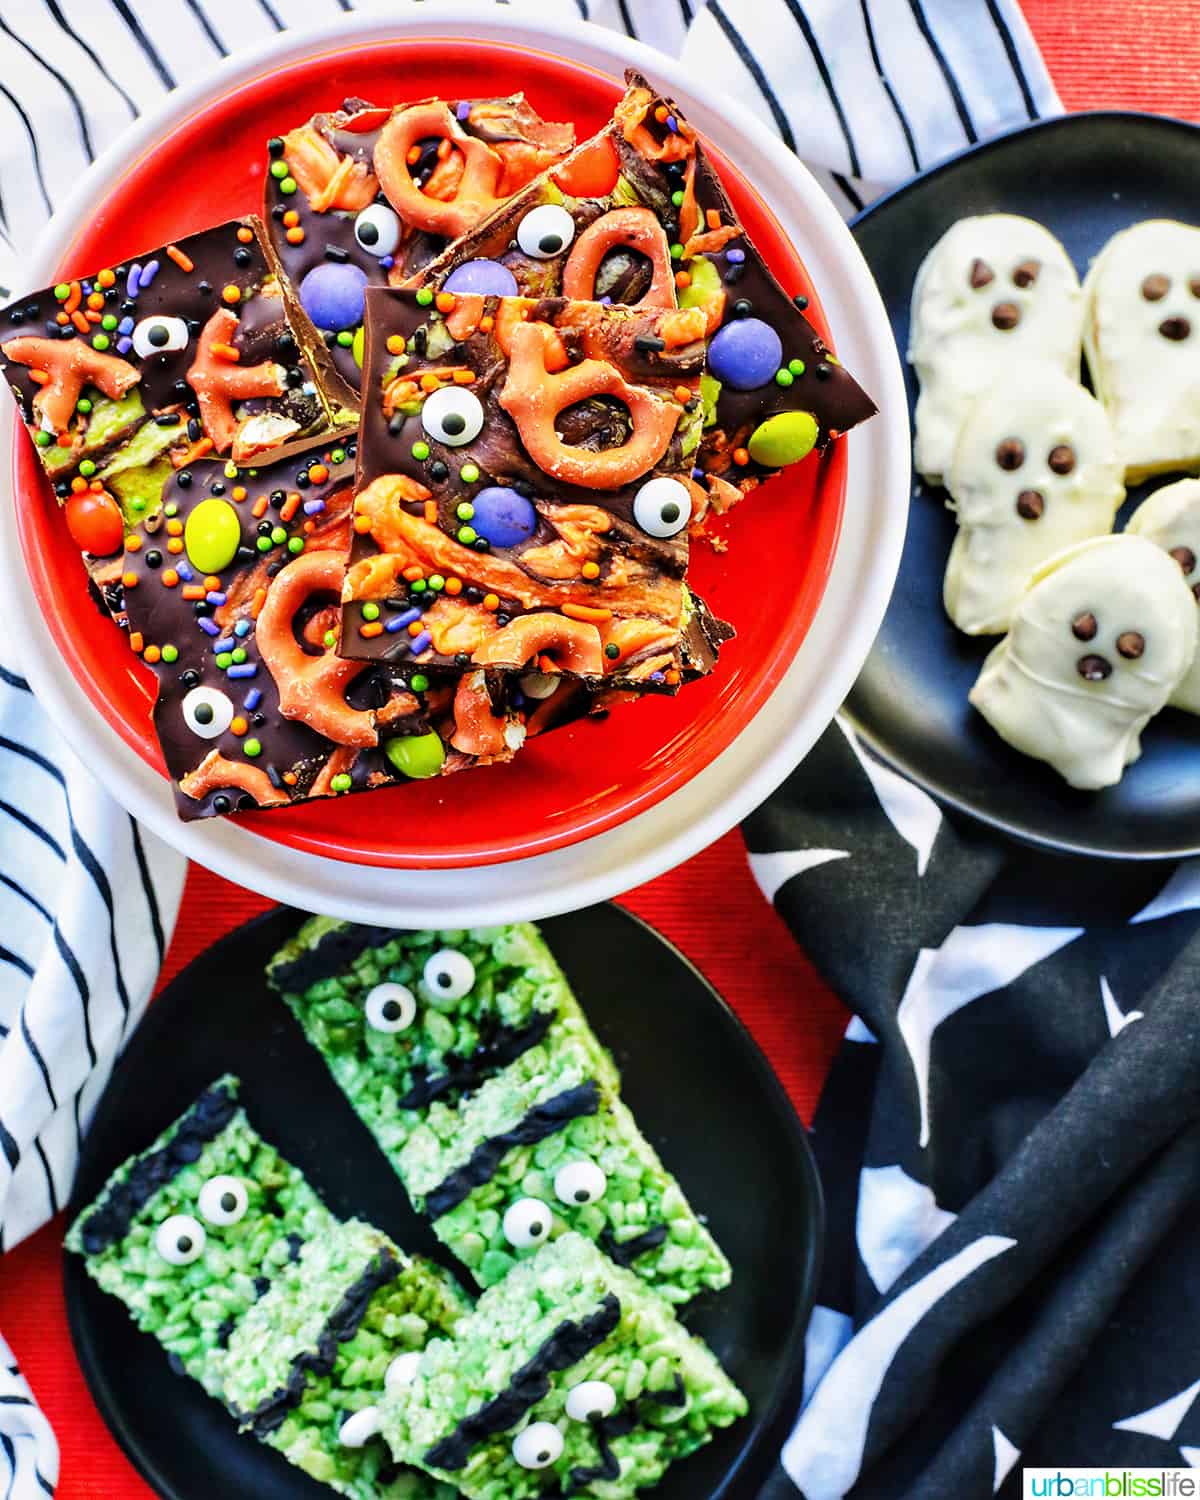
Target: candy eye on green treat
[527,1223]
[358,1430]
[450,974]
[540,1445]
[224,1201]
[579,1183]
[590,1401]
[402,1371]
[390,1007]
[180,1240]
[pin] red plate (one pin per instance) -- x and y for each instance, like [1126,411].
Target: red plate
[575,782]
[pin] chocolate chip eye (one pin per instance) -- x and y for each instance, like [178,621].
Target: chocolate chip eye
[1030,505]
[1185,557]
[1094,668]
[1131,644]
[1175,329]
[1026,273]
[1156,287]
[1006,315]
[980,273]
[1084,627]
[1010,454]
[1062,458]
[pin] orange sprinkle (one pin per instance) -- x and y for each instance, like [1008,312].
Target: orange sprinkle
[105,278]
[431,512]
[671,676]
[238,725]
[415,629]
[310,527]
[212,584]
[291,219]
[590,570]
[62,318]
[413,572]
[444,148]
[39,377]
[74,299]
[193,591]
[185,262]
[430,382]
[289,507]
[231,293]
[682,394]
[454,586]
[238,492]
[133,543]
[362,524]
[245,234]
[834,434]
[445,301]
[660,114]
[174,527]
[413,155]
[290,778]
[586,612]
[464,377]
[136,642]
[318,473]
[260,598]
[682,279]
[395,343]
[374,627]
[547,664]
[491,602]
[259,508]
[170,578]
[79,485]
[96,300]
[712,218]
[741,457]
[129,580]
[295,236]
[175,544]
[80,321]
[226,351]
[152,655]
[92,316]
[97,485]
[487,323]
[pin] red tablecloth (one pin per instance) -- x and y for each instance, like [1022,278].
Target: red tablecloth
[1131,54]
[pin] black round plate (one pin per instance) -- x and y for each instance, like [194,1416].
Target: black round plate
[1084,177]
[698,1085]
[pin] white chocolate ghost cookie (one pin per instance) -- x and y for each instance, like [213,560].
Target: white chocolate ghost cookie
[1142,338]
[1170,519]
[1035,470]
[994,289]
[1104,636]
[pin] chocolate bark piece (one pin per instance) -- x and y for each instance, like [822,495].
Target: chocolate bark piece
[645,220]
[365,195]
[130,373]
[231,600]
[529,464]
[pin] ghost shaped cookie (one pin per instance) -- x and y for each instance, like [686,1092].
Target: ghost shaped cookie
[1142,339]
[1170,519]
[994,289]
[1104,636]
[1035,470]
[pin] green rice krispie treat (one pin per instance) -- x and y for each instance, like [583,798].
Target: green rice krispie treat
[545,1147]
[406,1018]
[308,1366]
[189,1233]
[571,1377]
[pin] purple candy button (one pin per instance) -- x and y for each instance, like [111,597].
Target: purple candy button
[503,517]
[332,295]
[745,353]
[483,278]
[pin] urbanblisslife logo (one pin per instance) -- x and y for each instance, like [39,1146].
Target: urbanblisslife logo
[1119,1484]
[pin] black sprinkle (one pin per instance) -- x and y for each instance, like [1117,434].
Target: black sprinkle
[336,252]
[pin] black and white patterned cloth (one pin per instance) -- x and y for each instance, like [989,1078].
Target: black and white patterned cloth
[866,91]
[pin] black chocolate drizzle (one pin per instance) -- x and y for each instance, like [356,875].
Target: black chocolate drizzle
[541,1121]
[530,1384]
[110,1220]
[334,952]
[628,1251]
[606,1429]
[503,1045]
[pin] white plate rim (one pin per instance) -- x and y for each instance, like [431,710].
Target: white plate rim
[785,728]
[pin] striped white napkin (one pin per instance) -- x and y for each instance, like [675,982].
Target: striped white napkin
[865,91]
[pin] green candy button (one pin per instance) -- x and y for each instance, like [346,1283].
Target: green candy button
[416,755]
[212,535]
[783,439]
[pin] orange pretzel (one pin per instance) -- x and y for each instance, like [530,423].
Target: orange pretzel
[477,730]
[477,192]
[311,688]
[635,228]
[576,645]
[215,773]
[327,179]
[218,383]
[533,398]
[70,364]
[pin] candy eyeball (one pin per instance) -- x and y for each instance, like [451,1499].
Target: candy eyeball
[452,416]
[544,231]
[377,229]
[224,1200]
[207,712]
[590,1401]
[449,973]
[527,1223]
[390,1007]
[579,1183]
[540,1445]
[180,1240]
[662,507]
[159,335]
[358,1430]
[402,1371]
[539,685]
